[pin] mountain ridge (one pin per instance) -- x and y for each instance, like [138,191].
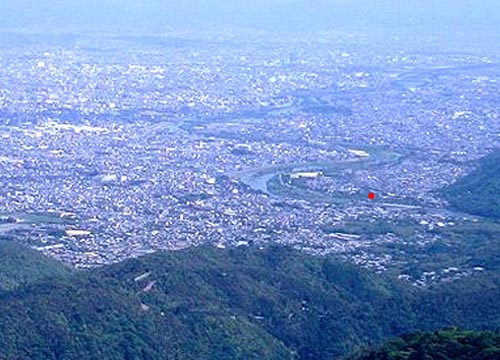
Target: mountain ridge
[477,192]
[236,303]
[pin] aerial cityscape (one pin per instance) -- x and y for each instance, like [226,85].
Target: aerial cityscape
[116,147]
[249,180]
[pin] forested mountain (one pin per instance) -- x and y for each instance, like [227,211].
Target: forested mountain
[478,192]
[241,303]
[19,265]
[452,344]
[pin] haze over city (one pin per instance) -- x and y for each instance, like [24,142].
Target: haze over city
[249,179]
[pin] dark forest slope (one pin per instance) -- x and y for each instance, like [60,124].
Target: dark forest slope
[19,265]
[453,344]
[478,192]
[242,303]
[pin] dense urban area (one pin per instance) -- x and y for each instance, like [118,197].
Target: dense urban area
[113,147]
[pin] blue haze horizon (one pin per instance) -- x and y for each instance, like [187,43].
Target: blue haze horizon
[155,16]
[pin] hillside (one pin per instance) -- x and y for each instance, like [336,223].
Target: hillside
[19,266]
[242,303]
[440,345]
[477,193]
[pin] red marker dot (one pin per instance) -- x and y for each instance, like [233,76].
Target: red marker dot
[371,195]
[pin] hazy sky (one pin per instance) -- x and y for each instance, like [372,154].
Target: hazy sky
[282,15]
